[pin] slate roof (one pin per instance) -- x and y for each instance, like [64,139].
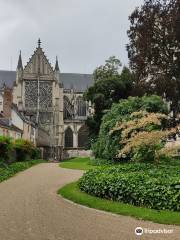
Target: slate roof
[79,82]
[7,77]
[6,123]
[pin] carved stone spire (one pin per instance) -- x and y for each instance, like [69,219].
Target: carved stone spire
[20,66]
[57,65]
[39,43]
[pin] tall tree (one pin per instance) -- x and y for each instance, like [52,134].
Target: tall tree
[111,84]
[154,48]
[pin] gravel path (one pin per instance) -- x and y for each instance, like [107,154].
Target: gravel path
[30,209]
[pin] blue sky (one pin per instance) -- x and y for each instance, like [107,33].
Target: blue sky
[83,33]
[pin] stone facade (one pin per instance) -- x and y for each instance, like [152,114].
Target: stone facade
[39,94]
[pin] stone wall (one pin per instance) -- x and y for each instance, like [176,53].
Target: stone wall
[67,154]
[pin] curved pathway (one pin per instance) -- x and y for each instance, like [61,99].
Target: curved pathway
[30,209]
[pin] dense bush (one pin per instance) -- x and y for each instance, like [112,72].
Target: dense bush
[16,150]
[25,150]
[138,184]
[6,150]
[107,145]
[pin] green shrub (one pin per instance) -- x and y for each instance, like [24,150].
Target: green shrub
[6,150]
[107,145]
[156,187]
[25,150]
[36,153]
[16,150]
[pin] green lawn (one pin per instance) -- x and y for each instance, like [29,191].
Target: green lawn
[12,169]
[78,163]
[73,193]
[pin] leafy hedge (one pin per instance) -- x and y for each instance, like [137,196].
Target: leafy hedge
[156,187]
[14,168]
[107,145]
[25,150]
[16,150]
[6,149]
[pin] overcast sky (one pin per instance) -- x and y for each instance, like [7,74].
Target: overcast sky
[83,33]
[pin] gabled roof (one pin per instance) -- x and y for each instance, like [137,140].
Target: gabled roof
[38,56]
[80,82]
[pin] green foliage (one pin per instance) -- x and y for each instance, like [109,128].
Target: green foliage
[108,145]
[25,150]
[14,168]
[6,148]
[137,184]
[110,85]
[16,150]
[153,49]
[146,153]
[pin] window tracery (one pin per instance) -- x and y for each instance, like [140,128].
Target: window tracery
[31,94]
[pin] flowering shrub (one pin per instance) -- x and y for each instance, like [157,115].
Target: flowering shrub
[108,145]
[142,137]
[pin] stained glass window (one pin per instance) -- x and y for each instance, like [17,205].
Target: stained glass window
[68,138]
[31,94]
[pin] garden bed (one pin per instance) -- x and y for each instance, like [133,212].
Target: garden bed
[12,169]
[143,185]
[73,193]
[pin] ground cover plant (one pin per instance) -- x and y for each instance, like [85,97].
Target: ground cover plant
[12,169]
[139,184]
[99,187]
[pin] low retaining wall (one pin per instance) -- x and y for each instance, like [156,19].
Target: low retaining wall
[76,153]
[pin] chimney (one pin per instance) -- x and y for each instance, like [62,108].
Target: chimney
[7,102]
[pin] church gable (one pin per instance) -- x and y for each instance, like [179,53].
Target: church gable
[38,64]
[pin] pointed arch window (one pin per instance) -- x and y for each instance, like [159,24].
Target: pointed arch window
[81,106]
[68,138]
[68,108]
[83,137]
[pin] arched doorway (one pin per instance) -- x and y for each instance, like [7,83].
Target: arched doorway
[68,138]
[83,137]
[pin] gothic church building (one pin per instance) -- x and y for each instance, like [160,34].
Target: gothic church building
[53,100]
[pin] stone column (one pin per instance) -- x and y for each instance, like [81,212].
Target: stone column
[75,139]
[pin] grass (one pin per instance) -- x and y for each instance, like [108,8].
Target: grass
[73,193]
[14,168]
[78,163]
